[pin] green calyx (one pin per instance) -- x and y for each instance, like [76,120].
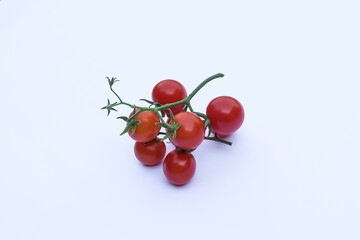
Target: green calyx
[131,124]
[110,106]
[171,128]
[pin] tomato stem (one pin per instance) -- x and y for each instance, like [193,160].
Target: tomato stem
[217,139]
[201,85]
[159,108]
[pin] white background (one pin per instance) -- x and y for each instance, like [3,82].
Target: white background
[292,172]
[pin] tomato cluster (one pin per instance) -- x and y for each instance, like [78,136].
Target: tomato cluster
[185,128]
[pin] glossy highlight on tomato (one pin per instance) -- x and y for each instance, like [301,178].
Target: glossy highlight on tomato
[146,130]
[226,115]
[169,91]
[191,132]
[150,153]
[179,167]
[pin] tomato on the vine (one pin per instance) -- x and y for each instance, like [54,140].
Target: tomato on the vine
[151,153]
[179,167]
[146,130]
[191,132]
[169,91]
[186,130]
[226,115]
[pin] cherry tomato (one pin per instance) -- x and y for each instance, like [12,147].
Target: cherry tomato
[226,115]
[191,132]
[169,91]
[146,130]
[150,153]
[179,167]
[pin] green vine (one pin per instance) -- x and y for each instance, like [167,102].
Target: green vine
[159,110]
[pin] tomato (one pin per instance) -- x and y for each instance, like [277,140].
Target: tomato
[179,167]
[169,91]
[226,115]
[191,132]
[146,130]
[150,153]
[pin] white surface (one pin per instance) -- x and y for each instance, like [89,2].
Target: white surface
[292,173]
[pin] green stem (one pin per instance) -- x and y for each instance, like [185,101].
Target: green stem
[121,102]
[161,119]
[216,139]
[201,115]
[190,107]
[192,94]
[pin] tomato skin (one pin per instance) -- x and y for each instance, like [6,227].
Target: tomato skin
[150,153]
[191,132]
[169,91]
[226,115]
[179,167]
[146,130]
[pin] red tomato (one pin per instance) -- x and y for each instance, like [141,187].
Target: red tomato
[179,167]
[191,132]
[146,130]
[226,115]
[150,153]
[169,91]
